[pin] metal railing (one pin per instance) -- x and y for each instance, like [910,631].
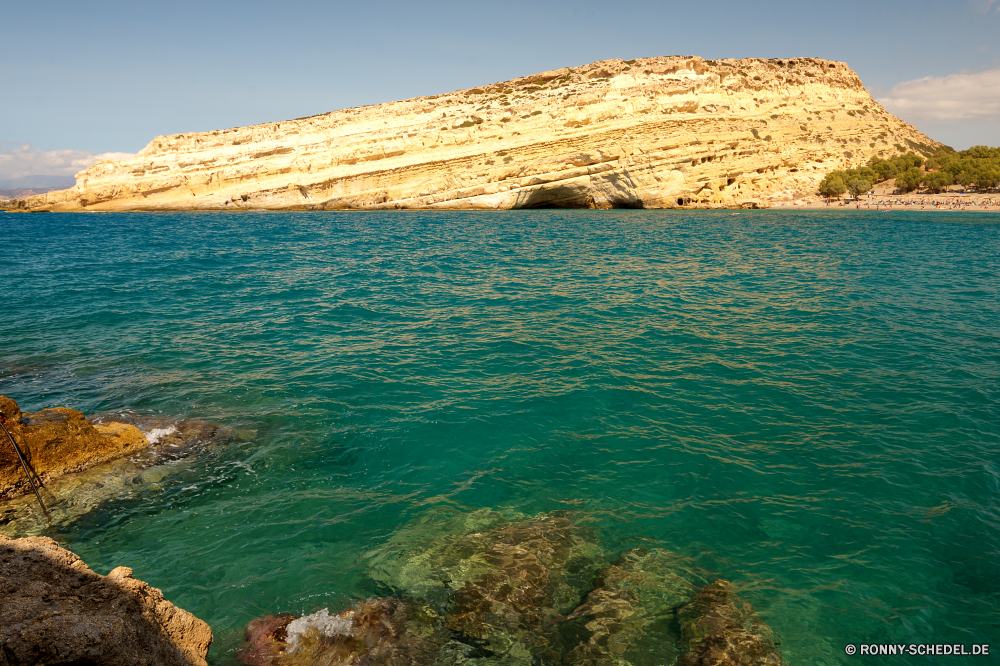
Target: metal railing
[24,465]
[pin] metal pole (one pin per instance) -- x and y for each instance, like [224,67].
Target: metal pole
[24,463]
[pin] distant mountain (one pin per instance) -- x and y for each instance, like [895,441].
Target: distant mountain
[37,182]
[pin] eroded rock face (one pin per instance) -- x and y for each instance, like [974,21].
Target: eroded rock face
[58,441]
[647,133]
[721,629]
[55,610]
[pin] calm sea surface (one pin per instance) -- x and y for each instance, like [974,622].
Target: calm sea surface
[807,405]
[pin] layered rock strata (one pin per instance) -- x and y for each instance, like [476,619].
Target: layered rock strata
[55,610]
[661,132]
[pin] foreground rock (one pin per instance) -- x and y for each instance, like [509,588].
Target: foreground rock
[375,631]
[55,610]
[647,133]
[58,441]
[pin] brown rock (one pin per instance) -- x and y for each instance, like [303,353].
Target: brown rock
[11,411]
[721,629]
[385,630]
[57,441]
[265,639]
[55,610]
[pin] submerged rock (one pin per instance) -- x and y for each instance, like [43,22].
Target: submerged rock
[436,556]
[58,441]
[495,589]
[375,631]
[721,629]
[55,610]
[499,583]
[633,601]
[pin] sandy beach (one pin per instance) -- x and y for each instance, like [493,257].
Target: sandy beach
[882,200]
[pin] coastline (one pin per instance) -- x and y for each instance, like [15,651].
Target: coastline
[944,203]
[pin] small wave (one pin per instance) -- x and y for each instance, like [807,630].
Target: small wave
[321,622]
[156,434]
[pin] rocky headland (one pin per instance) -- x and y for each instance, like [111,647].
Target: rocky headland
[663,132]
[55,610]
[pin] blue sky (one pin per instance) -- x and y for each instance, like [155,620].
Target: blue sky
[106,77]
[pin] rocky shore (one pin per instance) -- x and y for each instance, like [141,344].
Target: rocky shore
[56,442]
[486,588]
[80,463]
[667,132]
[55,610]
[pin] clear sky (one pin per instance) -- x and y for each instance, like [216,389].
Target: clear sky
[83,78]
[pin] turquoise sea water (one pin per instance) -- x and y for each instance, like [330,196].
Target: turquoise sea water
[805,404]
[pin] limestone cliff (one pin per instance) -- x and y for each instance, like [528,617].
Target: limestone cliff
[653,133]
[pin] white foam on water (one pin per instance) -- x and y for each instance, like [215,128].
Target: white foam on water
[156,434]
[321,621]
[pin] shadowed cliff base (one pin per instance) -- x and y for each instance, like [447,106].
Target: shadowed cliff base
[666,132]
[55,610]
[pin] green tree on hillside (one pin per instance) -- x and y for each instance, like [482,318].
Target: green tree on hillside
[858,186]
[909,180]
[937,181]
[977,167]
[832,186]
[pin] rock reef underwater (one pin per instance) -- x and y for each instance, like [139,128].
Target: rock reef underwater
[489,588]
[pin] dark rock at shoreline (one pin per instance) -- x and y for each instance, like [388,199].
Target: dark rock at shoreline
[265,639]
[55,610]
[169,438]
